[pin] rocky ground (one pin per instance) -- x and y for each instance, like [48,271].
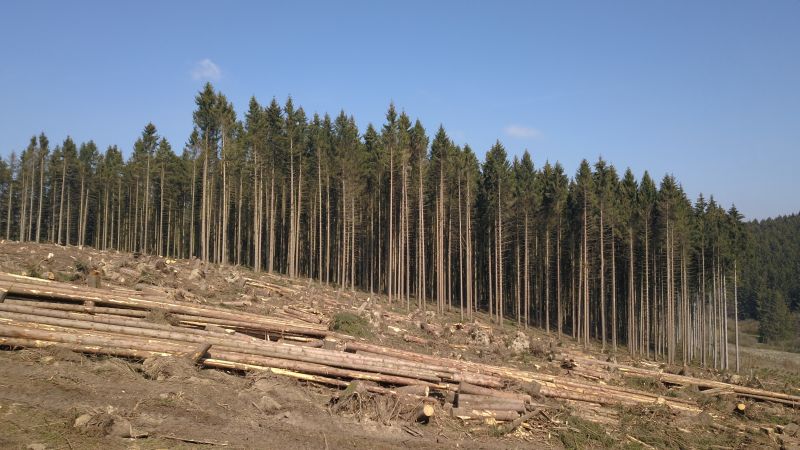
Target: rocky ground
[60,399]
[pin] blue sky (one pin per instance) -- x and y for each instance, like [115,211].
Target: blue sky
[706,90]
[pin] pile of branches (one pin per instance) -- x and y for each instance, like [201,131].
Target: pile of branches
[118,322]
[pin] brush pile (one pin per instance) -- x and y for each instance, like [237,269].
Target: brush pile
[296,342]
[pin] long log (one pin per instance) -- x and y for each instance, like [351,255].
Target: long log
[467,388]
[161,347]
[460,372]
[239,354]
[560,387]
[369,357]
[578,392]
[264,348]
[89,349]
[684,380]
[64,292]
[483,414]
[34,311]
[484,402]
[125,312]
[419,390]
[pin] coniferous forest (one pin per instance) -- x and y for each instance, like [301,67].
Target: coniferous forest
[600,255]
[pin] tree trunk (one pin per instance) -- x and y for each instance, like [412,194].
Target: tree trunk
[547,280]
[390,253]
[61,207]
[736,313]
[559,308]
[613,293]
[41,198]
[602,283]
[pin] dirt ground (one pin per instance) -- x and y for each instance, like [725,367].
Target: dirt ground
[60,399]
[43,393]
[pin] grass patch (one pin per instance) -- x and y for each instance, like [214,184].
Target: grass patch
[349,323]
[583,434]
[645,384]
[82,266]
[33,270]
[651,425]
[67,277]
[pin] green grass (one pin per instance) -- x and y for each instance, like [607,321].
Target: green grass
[582,434]
[349,323]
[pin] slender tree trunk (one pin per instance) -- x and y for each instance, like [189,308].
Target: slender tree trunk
[602,283]
[646,328]
[559,307]
[421,269]
[736,312]
[161,214]
[239,220]
[500,275]
[32,192]
[146,220]
[517,277]
[632,341]
[390,253]
[61,207]
[9,208]
[192,220]
[547,279]
[299,208]
[328,228]
[319,189]
[461,260]
[470,293]
[23,201]
[41,198]
[271,252]
[586,273]
[613,294]
[526,271]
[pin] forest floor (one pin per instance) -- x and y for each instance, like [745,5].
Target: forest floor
[44,392]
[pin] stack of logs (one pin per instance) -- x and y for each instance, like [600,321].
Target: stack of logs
[38,313]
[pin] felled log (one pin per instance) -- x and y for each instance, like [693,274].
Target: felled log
[467,388]
[482,414]
[199,353]
[78,308]
[423,413]
[683,380]
[440,364]
[62,292]
[485,402]
[88,349]
[519,421]
[30,312]
[264,348]
[220,353]
[414,339]
[303,315]
[420,390]
[219,364]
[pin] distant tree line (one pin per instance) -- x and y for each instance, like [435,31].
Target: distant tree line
[770,289]
[595,255]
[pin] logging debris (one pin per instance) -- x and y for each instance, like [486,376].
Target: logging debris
[260,333]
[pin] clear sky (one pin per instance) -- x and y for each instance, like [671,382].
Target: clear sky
[706,90]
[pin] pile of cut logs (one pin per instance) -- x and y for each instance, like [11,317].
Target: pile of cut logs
[132,324]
